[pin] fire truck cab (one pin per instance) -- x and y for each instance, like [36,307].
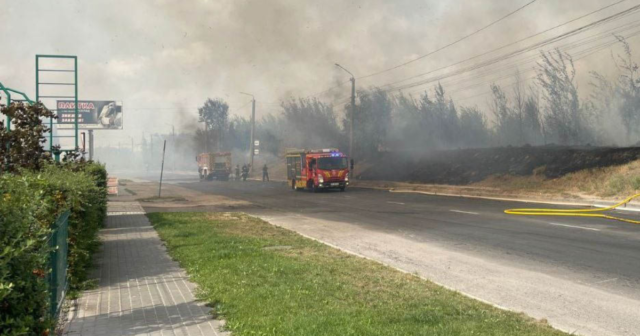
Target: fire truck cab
[317,169]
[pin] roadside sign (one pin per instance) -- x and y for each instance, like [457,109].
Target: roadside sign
[92,114]
[256,151]
[256,143]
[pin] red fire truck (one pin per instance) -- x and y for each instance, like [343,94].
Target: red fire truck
[214,166]
[317,169]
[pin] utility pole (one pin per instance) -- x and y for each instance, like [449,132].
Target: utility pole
[253,128]
[173,148]
[353,108]
[90,144]
[353,111]
[164,147]
[206,137]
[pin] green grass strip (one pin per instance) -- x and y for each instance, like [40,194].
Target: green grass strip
[266,280]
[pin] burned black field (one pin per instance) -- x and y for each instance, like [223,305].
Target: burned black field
[466,166]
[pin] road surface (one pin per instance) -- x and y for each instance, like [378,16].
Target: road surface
[581,274]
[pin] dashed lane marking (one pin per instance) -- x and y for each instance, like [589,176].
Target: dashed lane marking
[574,226]
[465,212]
[396,203]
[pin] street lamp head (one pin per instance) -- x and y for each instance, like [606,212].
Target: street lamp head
[347,71]
[248,94]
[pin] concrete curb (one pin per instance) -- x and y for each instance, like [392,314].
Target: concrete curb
[596,203]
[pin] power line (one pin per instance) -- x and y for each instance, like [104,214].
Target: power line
[331,88]
[450,44]
[430,53]
[566,48]
[512,54]
[576,57]
[502,47]
[580,54]
[522,40]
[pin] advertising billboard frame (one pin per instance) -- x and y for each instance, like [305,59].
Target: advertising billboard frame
[92,115]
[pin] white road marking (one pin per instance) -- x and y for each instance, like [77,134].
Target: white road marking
[574,226]
[465,212]
[608,280]
[396,203]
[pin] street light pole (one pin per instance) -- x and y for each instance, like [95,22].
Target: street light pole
[353,108]
[253,127]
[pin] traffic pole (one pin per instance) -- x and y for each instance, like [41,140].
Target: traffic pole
[353,111]
[253,128]
[90,145]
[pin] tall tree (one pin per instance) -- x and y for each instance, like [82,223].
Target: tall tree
[23,146]
[215,115]
[310,123]
[519,102]
[372,120]
[507,125]
[566,122]
[473,128]
[532,126]
[629,91]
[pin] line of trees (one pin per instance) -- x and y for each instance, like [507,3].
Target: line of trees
[549,111]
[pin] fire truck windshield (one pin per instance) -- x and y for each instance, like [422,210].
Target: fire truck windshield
[332,163]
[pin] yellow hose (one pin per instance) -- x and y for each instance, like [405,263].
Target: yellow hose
[596,212]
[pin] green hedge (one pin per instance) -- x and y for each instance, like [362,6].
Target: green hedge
[29,204]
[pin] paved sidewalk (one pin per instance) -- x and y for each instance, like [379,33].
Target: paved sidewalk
[141,290]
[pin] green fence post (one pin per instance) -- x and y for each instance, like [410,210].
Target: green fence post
[58,263]
[75,85]
[4,89]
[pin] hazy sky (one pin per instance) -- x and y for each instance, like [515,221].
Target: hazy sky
[164,58]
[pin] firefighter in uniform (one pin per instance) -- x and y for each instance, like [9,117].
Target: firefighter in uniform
[265,173]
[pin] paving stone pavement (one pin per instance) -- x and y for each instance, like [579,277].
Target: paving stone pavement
[141,290]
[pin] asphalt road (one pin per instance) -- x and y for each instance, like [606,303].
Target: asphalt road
[600,258]
[594,248]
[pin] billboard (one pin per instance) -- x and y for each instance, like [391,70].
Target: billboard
[92,114]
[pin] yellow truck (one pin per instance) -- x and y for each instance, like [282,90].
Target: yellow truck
[214,166]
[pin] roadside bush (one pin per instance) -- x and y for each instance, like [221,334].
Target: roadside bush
[22,147]
[25,217]
[85,198]
[29,204]
[635,183]
[617,184]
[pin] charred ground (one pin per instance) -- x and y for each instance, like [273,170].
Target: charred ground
[466,166]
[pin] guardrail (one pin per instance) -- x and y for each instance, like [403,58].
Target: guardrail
[58,263]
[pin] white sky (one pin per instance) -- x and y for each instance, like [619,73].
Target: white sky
[164,58]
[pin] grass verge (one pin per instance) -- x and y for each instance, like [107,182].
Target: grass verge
[615,181]
[266,280]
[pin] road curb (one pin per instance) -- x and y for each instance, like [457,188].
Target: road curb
[592,204]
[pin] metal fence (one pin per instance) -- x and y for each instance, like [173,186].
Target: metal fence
[58,263]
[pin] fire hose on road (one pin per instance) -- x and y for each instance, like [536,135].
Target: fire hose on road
[595,213]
